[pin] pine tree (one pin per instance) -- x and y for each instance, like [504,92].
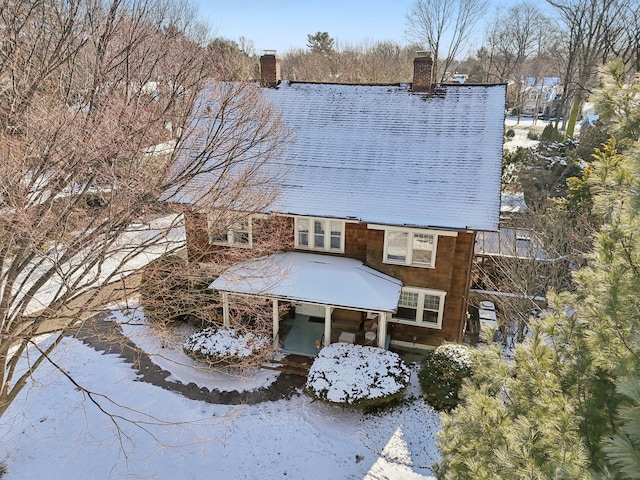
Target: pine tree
[320,42]
[623,448]
[515,421]
[568,404]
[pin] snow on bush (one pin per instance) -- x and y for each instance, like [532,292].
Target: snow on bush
[224,344]
[355,375]
[459,354]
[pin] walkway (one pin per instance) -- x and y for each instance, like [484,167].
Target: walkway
[107,337]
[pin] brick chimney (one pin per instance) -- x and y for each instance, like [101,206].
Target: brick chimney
[422,72]
[270,75]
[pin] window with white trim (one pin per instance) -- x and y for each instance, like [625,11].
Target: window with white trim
[419,306]
[407,247]
[319,234]
[228,231]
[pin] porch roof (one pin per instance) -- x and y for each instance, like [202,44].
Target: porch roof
[307,277]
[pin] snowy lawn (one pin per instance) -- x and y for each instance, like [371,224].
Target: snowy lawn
[521,129]
[55,430]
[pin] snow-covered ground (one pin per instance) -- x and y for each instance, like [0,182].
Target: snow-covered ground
[136,247]
[53,430]
[521,130]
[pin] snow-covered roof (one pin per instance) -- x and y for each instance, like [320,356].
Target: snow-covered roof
[512,202]
[307,277]
[384,154]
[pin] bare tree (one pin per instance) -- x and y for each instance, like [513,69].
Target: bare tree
[628,47]
[521,265]
[232,61]
[516,35]
[445,28]
[590,30]
[367,62]
[106,110]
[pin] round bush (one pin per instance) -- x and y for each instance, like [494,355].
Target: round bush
[442,373]
[225,345]
[357,376]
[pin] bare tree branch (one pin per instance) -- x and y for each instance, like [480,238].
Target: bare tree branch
[445,28]
[108,108]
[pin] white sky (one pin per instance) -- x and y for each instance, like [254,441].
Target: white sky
[283,24]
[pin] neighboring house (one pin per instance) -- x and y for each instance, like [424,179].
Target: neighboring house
[588,122]
[385,189]
[514,262]
[539,96]
[514,243]
[510,251]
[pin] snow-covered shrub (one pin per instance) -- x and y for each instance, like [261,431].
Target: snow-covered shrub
[460,354]
[225,346]
[441,375]
[359,376]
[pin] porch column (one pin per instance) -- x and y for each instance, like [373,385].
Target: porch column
[382,329]
[225,309]
[276,319]
[327,325]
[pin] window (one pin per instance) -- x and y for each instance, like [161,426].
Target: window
[408,247]
[336,235]
[397,246]
[229,231]
[418,306]
[302,235]
[319,234]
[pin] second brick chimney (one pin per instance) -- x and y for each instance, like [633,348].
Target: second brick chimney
[422,72]
[270,75]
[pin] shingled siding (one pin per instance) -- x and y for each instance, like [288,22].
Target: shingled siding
[451,274]
[264,232]
[356,237]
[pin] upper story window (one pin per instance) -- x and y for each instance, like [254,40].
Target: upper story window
[407,247]
[319,234]
[226,230]
[420,306]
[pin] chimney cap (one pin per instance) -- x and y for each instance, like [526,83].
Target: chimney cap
[423,54]
[269,52]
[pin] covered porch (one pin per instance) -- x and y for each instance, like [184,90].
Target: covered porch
[304,335]
[330,299]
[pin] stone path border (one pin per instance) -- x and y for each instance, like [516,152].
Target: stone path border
[107,337]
